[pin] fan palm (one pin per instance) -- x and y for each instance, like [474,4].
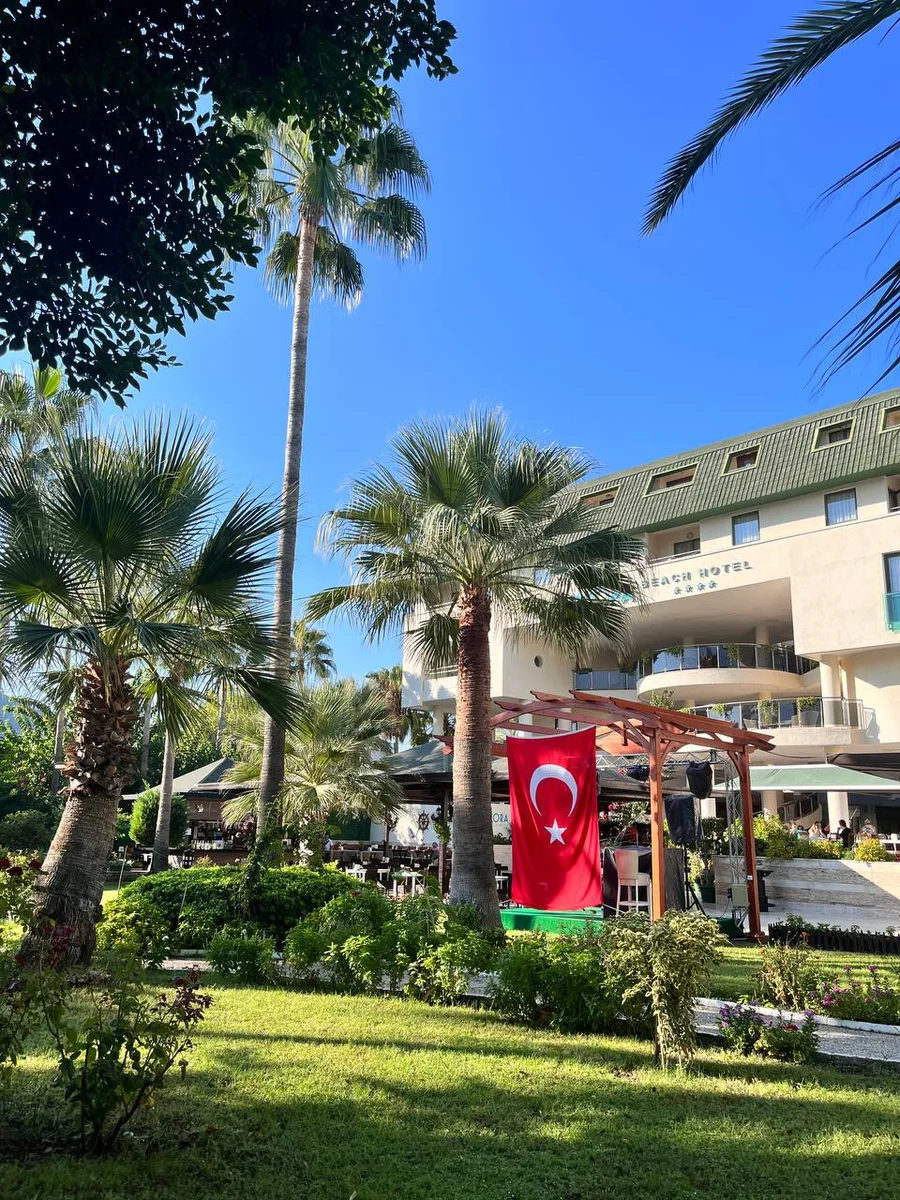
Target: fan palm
[310,207]
[122,561]
[388,681]
[468,523]
[807,43]
[312,654]
[332,760]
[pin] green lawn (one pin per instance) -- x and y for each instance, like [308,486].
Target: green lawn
[327,1097]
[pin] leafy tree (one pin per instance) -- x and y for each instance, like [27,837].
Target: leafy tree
[26,756]
[305,200]
[123,563]
[28,829]
[142,826]
[312,655]
[333,757]
[119,154]
[471,524]
[808,42]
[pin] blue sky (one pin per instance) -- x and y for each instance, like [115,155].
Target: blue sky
[538,294]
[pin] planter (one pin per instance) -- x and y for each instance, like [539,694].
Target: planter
[707,893]
[809,716]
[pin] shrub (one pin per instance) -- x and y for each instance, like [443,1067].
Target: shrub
[198,902]
[142,827]
[28,829]
[788,977]
[365,962]
[741,1027]
[747,1031]
[803,848]
[248,957]
[518,991]
[303,949]
[870,849]
[875,998]
[665,964]
[773,836]
[441,974]
[135,927]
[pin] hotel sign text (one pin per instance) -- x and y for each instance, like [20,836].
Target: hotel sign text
[701,579]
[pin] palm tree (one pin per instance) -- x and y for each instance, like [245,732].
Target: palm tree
[333,753]
[388,681]
[465,524]
[310,206]
[96,564]
[806,44]
[312,654]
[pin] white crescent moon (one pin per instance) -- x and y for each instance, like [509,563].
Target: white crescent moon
[552,771]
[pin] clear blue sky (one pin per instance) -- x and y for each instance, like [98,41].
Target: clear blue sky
[538,293]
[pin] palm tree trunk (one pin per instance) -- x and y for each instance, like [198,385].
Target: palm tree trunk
[272,767]
[58,750]
[220,721]
[145,741]
[99,761]
[472,880]
[160,860]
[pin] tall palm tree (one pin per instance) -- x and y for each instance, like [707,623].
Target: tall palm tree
[468,523]
[389,682]
[333,753]
[312,655]
[310,207]
[96,563]
[808,42]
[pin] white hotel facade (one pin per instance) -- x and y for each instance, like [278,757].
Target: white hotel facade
[772,599]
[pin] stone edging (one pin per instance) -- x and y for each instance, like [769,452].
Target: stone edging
[707,1003]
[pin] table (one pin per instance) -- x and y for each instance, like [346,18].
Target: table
[358,871]
[413,878]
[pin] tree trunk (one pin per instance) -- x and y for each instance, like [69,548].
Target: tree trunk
[472,880]
[58,750]
[99,761]
[272,767]
[220,721]
[145,741]
[160,860]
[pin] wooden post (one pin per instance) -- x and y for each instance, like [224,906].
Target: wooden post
[657,842]
[741,760]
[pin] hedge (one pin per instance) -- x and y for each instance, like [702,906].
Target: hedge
[192,905]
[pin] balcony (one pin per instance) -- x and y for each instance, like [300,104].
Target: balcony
[605,681]
[809,712]
[724,656]
[892,611]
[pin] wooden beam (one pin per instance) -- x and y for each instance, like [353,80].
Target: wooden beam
[657,841]
[740,758]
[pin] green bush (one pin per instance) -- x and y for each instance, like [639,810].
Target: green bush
[870,849]
[247,957]
[134,927]
[195,904]
[142,826]
[773,836]
[28,829]
[747,1031]
[788,977]
[441,974]
[518,991]
[803,848]
[875,998]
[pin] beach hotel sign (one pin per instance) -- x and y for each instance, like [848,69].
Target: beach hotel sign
[699,579]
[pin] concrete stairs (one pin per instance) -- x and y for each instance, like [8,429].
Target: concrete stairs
[866,888]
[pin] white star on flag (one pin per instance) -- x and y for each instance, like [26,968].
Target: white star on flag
[556,834]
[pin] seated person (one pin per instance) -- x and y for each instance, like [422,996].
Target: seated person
[845,836]
[868,830]
[816,832]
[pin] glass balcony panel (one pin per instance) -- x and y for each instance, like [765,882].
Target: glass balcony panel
[709,656]
[690,658]
[892,611]
[583,681]
[746,656]
[765,658]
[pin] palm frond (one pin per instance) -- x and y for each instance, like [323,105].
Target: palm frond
[280,271]
[338,271]
[393,225]
[809,41]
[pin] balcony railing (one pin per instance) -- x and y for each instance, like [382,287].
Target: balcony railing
[445,672]
[813,711]
[710,656]
[892,611]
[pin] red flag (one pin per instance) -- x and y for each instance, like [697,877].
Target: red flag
[553,813]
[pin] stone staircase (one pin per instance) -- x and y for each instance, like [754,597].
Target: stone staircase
[868,888]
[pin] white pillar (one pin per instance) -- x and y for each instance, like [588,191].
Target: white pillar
[829,678]
[761,634]
[770,802]
[838,809]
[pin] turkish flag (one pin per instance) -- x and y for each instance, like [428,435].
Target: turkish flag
[553,814]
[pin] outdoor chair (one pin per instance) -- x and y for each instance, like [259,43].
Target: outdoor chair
[631,883]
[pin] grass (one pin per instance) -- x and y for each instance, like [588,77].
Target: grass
[734,977]
[333,1097]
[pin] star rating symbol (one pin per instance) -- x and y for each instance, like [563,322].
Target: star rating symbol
[556,834]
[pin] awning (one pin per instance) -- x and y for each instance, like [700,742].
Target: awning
[816,777]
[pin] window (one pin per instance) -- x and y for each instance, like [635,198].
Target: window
[892,591]
[600,498]
[740,460]
[890,418]
[745,528]
[833,435]
[671,479]
[688,546]
[840,507]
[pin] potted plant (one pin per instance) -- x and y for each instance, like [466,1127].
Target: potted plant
[733,654]
[809,710]
[718,710]
[768,712]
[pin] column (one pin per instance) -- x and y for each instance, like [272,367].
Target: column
[829,677]
[838,809]
[770,802]
[761,635]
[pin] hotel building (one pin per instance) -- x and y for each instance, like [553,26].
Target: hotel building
[772,599]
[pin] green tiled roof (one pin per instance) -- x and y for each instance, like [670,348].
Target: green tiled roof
[787,465]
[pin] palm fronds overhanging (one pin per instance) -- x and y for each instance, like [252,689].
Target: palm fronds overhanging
[807,43]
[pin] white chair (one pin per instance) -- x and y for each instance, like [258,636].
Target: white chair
[631,882]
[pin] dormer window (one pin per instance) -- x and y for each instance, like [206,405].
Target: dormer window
[599,499]
[741,460]
[890,418]
[672,479]
[833,435]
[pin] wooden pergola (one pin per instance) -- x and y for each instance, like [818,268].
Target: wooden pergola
[633,728]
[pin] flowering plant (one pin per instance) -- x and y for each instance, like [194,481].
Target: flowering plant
[875,998]
[746,1030]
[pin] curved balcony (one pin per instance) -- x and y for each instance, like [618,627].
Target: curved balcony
[800,720]
[723,656]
